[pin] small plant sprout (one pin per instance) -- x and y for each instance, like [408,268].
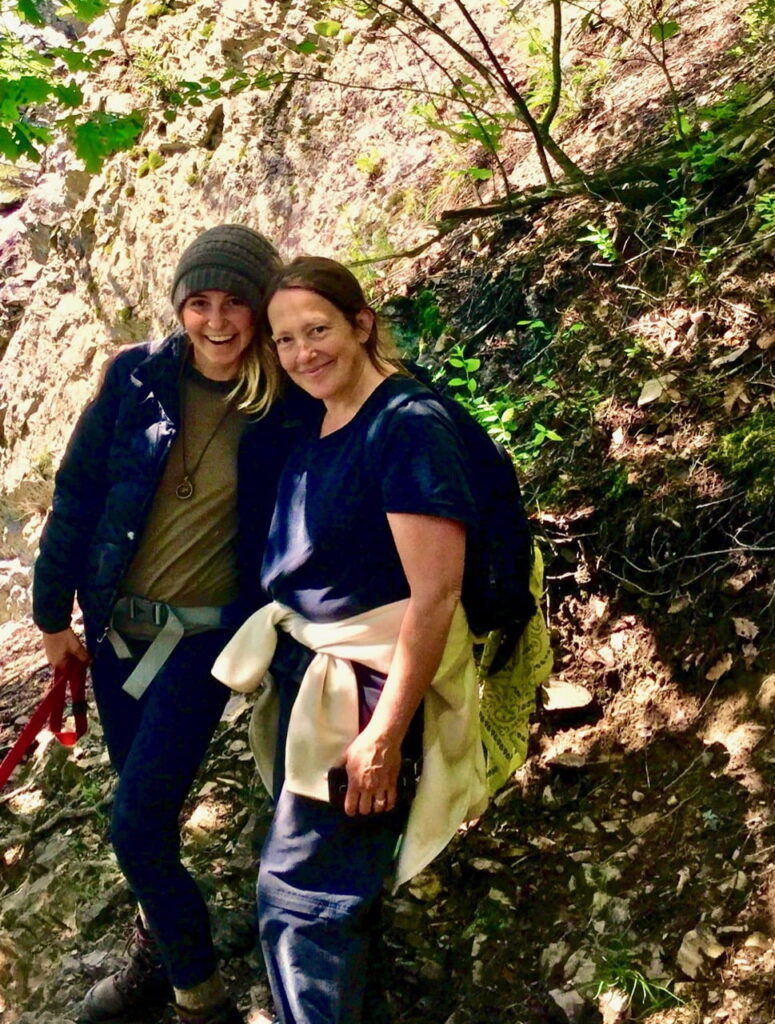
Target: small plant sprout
[601,238]
[678,229]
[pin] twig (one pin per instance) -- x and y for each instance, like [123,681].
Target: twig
[635,586]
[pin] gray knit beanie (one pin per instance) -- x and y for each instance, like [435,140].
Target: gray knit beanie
[230,258]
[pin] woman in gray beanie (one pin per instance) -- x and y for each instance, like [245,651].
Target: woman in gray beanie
[143,529]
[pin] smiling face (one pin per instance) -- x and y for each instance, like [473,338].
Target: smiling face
[320,349]
[220,326]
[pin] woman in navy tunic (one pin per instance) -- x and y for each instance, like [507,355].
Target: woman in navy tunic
[372,514]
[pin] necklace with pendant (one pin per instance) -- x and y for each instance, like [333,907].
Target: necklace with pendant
[185,488]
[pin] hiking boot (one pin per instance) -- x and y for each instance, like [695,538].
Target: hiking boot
[141,984]
[224,1013]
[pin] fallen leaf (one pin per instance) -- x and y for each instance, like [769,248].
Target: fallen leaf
[655,388]
[735,392]
[746,628]
[766,340]
[740,580]
[722,666]
[729,357]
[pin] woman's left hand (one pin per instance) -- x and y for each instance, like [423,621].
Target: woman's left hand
[372,771]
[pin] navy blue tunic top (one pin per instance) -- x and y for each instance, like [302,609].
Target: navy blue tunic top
[330,552]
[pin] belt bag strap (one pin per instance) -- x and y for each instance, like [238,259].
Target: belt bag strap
[179,621]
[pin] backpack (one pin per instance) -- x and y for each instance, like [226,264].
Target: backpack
[499,556]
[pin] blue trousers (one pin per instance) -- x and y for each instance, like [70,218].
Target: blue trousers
[156,744]
[319,886]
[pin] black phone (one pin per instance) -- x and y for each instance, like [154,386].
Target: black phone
[405,789]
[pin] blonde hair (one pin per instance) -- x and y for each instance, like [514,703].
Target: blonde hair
[259,378]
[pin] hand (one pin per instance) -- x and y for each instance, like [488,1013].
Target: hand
[372,766]
[62,646]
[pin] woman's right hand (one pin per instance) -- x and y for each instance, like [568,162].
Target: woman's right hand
[62,646]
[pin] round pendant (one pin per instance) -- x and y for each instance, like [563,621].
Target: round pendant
[185,489]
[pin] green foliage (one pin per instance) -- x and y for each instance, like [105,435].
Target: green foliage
[28,10]
[497,410]
[84,10]
[601,238]
[764,206]
[328,29]
[678,229]
[370,163]
[664,30]
[155,80]
[429,322]
[748,454]
[758,19]
[31,79]
[157,10]
[101,135]
[475,173]
[617,968]
[485,129]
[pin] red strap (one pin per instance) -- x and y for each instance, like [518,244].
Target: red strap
[51,709]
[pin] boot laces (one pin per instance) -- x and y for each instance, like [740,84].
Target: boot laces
[142,965]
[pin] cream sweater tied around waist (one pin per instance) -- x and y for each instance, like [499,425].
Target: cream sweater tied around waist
[324,720]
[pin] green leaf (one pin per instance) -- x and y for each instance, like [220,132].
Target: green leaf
[456,361]
[25,91]
[28,137]
[327,28]
[28,11]
[84,10]
[552,435]
[472,365]
[74,60]
[308,46]
[662,30]
[456,382]
[265,80]
[508,414]
[69,95]
[101,135]
[8,145]
[479,173]
[472,386]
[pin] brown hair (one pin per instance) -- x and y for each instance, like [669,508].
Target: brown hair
[339,286]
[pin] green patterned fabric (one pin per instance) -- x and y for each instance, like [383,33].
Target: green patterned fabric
[508,697]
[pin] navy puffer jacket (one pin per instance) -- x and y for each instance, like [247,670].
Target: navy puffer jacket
[108,477]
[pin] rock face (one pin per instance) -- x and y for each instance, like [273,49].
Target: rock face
[86,261]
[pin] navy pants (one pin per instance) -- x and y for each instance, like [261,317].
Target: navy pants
[319,886]
[156,744]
